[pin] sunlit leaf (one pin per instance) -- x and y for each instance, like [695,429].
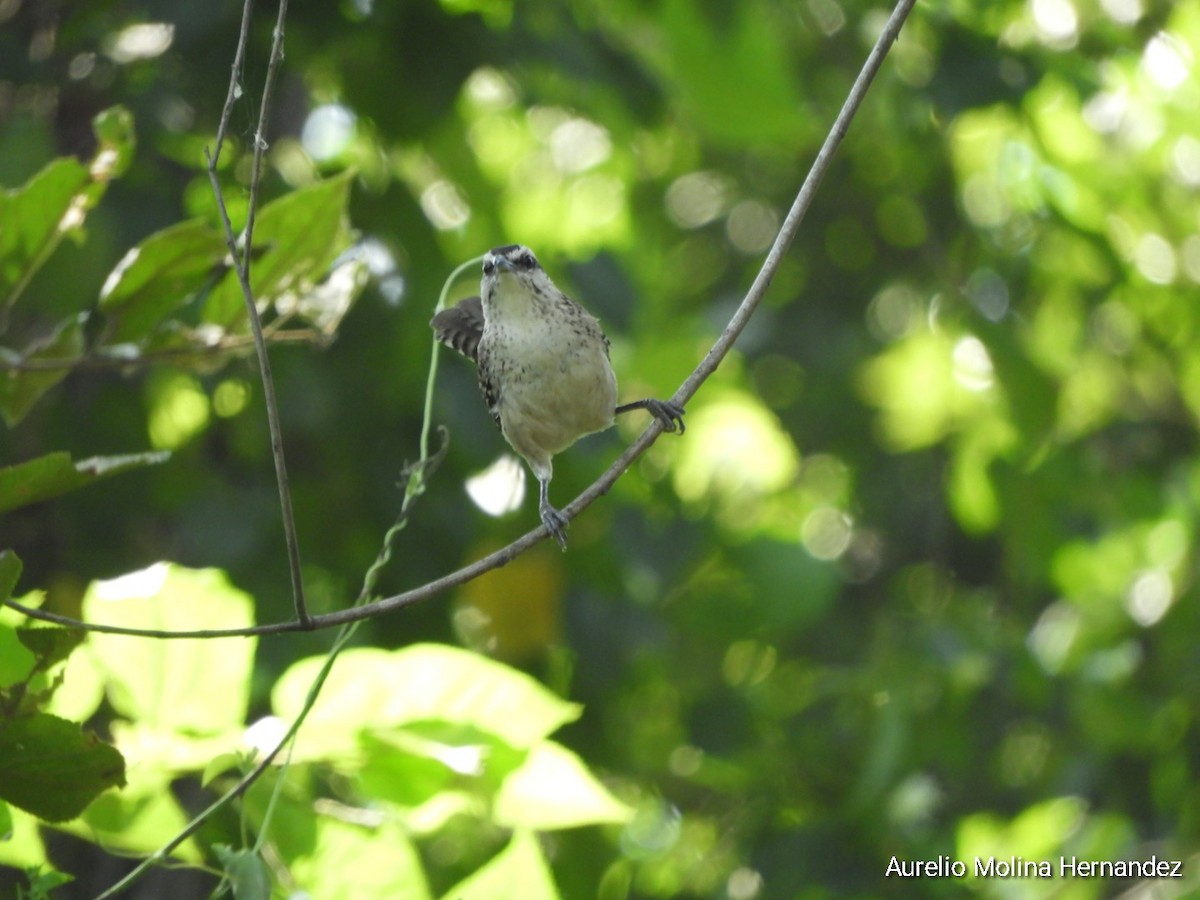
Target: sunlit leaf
[370,689]
[21,842]
[519,870]
[296,238]
[136,818]
[55,202]
[554,789]
[31,215]
[158,276]
[383,861]
[155,681]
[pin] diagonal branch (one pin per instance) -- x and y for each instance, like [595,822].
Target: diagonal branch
[601,486]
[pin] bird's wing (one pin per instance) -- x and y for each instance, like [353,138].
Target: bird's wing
[461,326]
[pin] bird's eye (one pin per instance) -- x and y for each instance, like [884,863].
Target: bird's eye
[526,261]
[488,267]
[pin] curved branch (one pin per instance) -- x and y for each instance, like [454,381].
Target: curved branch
[601,486]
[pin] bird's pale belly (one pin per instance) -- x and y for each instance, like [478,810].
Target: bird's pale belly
[555,400]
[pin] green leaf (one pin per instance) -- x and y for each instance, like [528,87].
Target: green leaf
[410,765]
[49,767]
[43,881]
[16,661]
[10,570]
[54,474]
[115,132]
[381,860]
[374,689]
[519,870]
[554,789]
[21,388]
[200,687]
[35,217]
[51,645]
[246,871]
[159,276]
[135,819]
[297,236]
[31,218]
[222,763]
[6,823]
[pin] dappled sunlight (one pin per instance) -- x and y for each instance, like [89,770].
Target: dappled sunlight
[140,41]
[736,453]
[179,410]
[328,131]
[927,386]
[500,488]
[558,173]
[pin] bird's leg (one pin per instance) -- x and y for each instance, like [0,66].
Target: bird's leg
[670,414]
[554,521]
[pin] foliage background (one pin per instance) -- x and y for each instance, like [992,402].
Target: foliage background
[920,578]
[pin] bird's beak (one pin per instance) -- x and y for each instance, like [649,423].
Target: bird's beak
[504,263]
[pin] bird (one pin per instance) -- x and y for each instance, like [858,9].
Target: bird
[543,366]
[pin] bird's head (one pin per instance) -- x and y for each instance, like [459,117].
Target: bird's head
[513,258]
[513,266]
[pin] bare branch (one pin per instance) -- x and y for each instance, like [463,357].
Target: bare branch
[242,266]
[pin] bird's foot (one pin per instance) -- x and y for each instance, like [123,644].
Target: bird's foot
[670,414]
[556,524]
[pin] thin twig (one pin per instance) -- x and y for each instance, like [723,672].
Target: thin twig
[242,267]
[604,483]
[235,80]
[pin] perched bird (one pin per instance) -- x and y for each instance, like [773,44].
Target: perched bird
[543,365]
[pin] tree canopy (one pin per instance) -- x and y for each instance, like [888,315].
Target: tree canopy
[917,584]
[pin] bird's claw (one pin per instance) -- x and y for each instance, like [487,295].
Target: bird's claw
[670,414]
[556,524]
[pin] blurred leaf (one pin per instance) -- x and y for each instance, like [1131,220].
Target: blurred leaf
[247,873]
[10,566]
[220,764]
[730,64]
[49,767]
[519,870]
[16,660]
[296,239]
[43,881]
[21,388]
[51,645]
[21,844]
[31,218]
[554,789]
[135,819]
[154,682]
[158,276]
[394,773]
[115,131]
[382,859]
[54,474]
[35,217]
[372,689]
